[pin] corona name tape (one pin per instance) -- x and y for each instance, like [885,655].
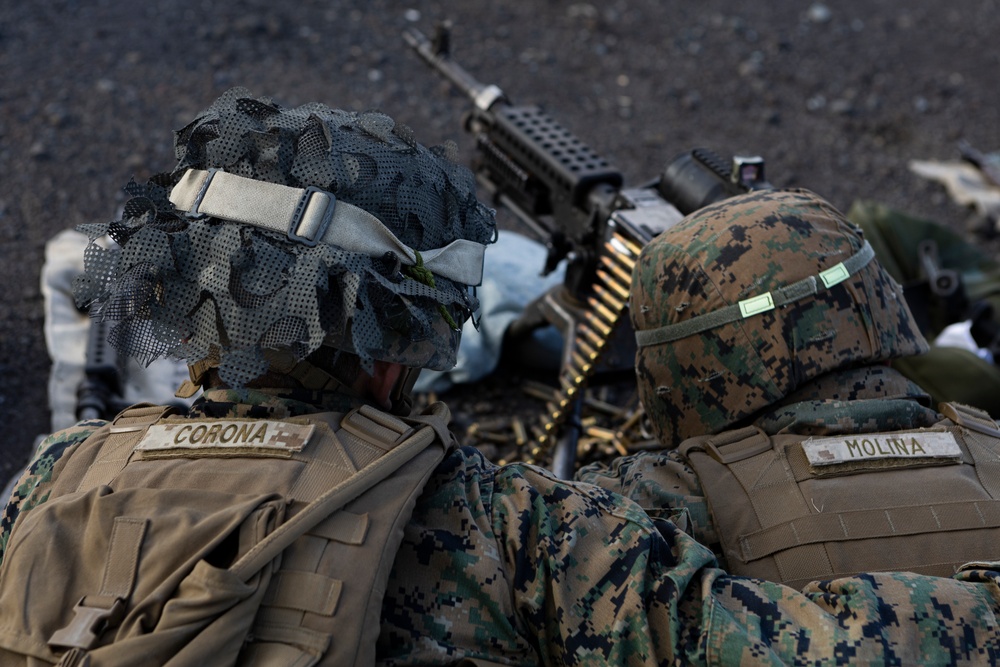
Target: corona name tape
[224,438]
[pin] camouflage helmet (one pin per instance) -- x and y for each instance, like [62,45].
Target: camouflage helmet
[747,299]
[287,229]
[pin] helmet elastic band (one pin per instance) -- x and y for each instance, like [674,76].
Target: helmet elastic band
[311,215]
[758,304]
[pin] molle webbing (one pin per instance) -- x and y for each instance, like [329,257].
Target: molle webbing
[325,601]
[981,436]
[871,524]
[781,520]
[108,451]
[349,491]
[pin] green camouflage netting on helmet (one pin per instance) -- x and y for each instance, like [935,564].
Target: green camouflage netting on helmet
[201,288]
[764,247]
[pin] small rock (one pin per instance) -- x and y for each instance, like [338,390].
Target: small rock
[56,114]
[135,161]
[819,13]
[752,65]
[583,10]
[842,107]
[691,100]
[38,150]
[816,103]
[624,106]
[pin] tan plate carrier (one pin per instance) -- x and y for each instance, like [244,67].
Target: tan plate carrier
[782,519]
[157,547]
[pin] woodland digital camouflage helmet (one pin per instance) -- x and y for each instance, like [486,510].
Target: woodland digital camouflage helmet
[287,229]
[747,299]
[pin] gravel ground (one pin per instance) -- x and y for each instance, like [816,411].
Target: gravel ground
[838,99]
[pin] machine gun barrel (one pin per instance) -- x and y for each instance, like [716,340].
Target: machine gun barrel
[529,163]
[437,54]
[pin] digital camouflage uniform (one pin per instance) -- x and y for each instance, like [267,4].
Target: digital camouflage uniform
[870,399]
[765,310]
[501,564]
[512,565]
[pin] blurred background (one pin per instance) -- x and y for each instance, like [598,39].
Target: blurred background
[837,98]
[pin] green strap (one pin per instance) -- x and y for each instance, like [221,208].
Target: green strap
[758,304]
[422,274]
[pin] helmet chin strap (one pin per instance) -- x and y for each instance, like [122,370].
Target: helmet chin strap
[319,373]
[401,395]
[338,366]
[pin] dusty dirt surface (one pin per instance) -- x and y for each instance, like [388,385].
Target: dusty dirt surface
[837,99]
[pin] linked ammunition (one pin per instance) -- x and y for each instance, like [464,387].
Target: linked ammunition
[539,390]
[520,435]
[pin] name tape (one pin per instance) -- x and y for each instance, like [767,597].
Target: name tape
[226,437]
[873,446]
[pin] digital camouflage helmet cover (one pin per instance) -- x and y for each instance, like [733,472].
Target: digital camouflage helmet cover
[748,299]
[287,229]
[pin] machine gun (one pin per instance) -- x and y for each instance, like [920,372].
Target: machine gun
[575,202]
[100,393]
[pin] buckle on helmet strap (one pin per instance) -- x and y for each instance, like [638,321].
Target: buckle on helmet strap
[312,216]
[188,194]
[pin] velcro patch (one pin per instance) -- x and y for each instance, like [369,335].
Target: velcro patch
[249,437]
[903,446]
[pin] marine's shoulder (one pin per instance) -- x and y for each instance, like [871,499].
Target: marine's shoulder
[31,489]
[53,447]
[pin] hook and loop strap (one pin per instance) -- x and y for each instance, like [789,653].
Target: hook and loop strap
[759,304]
